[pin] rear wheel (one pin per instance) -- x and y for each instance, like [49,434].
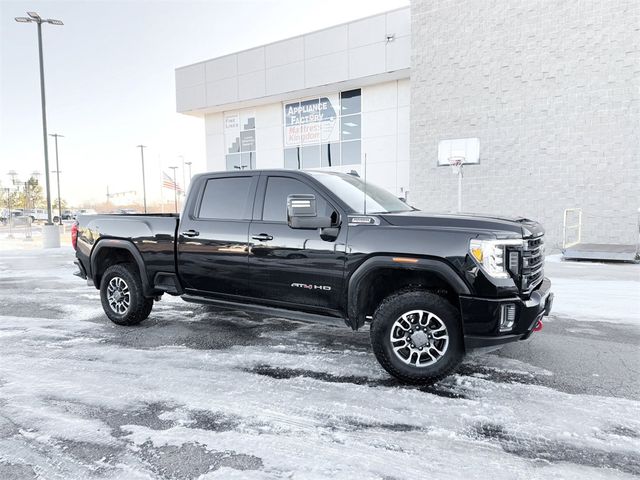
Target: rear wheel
[416,336]
[122,295]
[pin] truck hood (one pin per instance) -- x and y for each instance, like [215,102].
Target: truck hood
[467,221]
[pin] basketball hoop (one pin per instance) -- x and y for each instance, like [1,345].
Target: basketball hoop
[455,162]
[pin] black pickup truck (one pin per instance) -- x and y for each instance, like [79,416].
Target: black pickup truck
[323,244]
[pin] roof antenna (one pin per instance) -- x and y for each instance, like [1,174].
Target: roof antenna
[365,184]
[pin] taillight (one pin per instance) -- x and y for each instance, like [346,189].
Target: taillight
[74,236]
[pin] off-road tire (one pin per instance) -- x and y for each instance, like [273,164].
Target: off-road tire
[395,306]
[139,306]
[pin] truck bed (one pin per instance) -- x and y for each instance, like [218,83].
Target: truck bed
[153,235]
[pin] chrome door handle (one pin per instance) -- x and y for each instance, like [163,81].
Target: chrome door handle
[263,237]
[190,233]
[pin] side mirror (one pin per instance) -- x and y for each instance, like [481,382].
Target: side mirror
[302,212]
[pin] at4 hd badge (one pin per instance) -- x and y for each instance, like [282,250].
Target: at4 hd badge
[310,286]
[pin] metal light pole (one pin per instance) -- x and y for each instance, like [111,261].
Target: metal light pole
[36,177]
[13,174]
[175,189]
[10,215]
[189,163]
[184,185]
[57,172]
[34,17]
[144,184]
[27,204]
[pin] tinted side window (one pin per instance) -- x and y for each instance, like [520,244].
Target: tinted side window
[275,198]
[227,198]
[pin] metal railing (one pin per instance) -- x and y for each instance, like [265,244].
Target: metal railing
[18,226]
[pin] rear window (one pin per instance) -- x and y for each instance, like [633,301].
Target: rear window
[227,199]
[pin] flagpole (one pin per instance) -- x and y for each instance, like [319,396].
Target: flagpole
[175,189]
[161,190]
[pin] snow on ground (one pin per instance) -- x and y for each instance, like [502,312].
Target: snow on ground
[198,393]
[596,291]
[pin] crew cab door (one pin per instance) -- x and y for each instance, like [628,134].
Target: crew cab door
[213,235]
[294,267]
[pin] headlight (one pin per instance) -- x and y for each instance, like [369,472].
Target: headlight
[490,254]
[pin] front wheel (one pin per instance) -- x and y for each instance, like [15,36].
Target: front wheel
[416,336]
[122,296]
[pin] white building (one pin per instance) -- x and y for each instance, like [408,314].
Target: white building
[325,99]
[546,90]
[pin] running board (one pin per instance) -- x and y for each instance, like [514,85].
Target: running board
[264,310]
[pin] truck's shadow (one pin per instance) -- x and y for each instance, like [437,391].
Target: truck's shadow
[281,373]
[207,328]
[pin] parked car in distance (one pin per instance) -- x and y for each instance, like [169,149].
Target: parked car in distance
[320,245]
[18,216]
[84,211]
[66,215]
[125,211]
[37,214]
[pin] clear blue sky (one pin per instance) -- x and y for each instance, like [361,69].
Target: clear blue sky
[110,80]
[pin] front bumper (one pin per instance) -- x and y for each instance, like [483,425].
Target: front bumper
[481,317]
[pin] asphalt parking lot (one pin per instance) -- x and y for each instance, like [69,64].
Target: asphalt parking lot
[195,392]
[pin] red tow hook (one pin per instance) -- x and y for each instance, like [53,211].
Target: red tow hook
[538,326]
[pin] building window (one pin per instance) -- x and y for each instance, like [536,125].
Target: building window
[240,140]
[323,132]
[292,158]
[350,126]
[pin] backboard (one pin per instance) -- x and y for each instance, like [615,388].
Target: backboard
[467,148]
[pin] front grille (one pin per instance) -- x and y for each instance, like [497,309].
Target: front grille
[532,263]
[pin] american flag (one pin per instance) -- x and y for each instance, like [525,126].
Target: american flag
[167,182]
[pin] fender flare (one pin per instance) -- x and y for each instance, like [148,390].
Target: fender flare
[360,278]
[121,245]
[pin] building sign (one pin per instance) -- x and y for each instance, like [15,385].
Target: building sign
[324,131]
[311,121]
[239,132]
[232,122]
[240,139]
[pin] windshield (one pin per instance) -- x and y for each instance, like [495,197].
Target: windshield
[351,190]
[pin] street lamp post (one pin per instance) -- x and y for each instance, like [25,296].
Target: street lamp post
[10,215]
[27,196]
[189,163]
[57,172]
[30,188]
[13,174]
[184,185]
[144,184]
[28,206]
[35,18]
[175,189]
